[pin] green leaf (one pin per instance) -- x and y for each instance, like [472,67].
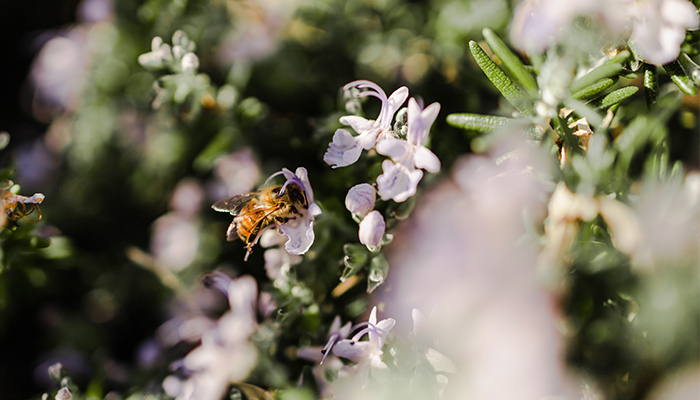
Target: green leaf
[679,77]
[403,210]
[477,122]
[378,270]
[511,62]
[608,70]
[644,128]
[500,80]
[615,97]
[692,70]
[356,256]
[569,138]
[595,88]
[222,143]
[651,84]
[489,123]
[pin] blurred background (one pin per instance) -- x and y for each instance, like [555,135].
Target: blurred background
[131,158]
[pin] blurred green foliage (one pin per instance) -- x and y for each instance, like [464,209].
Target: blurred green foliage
[138,132]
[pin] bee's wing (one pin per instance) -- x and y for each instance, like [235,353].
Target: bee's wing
[234,204]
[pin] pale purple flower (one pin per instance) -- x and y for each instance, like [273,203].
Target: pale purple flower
[321,356]
[659,28]
[299,231]
[345,148]
[336,333]
[360,199]
[538,24]
[465,254]
[93,11]
[277,261]
[372,229]
[400,178]
[225,354]
[187,198]
[258,27]
[174,241]
[175,235]
[59,72]
[237,173]
[367,354]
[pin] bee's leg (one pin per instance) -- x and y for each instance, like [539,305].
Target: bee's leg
[249,251]
[258,229]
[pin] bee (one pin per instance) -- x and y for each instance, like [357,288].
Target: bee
[257,211]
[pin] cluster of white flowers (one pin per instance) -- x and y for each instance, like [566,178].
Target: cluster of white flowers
[657,26]
[364,363]
[408,157]
[225,355]
[178,58]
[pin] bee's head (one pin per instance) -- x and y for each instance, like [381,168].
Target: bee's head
[297,195]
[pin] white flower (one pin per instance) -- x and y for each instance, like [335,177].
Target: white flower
[372,229]
[659,28]
[368,354]
[225,354]
[277,261]
[320,355]
[360,199]
[236,173]
[336,333]
[59,73]
[345,148]
[299,231]
[400,178]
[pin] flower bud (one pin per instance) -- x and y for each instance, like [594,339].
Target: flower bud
[372,229]
[64,394]
[360,199]
[190,63]
[57,372]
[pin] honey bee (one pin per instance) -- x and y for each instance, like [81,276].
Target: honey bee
[255,212]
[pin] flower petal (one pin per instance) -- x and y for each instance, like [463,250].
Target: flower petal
[383,328]
[419,121]
[372,229]
[360,199]
[399,181]
[344,150]
[242,295]
[396,100]
[271,238]
[312,353]
[427,160]
[394,148]
[300,233]
[373,316]
[274,261]
[303,176]
[680,13]
[350,349]
[359,124]
[314,210]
